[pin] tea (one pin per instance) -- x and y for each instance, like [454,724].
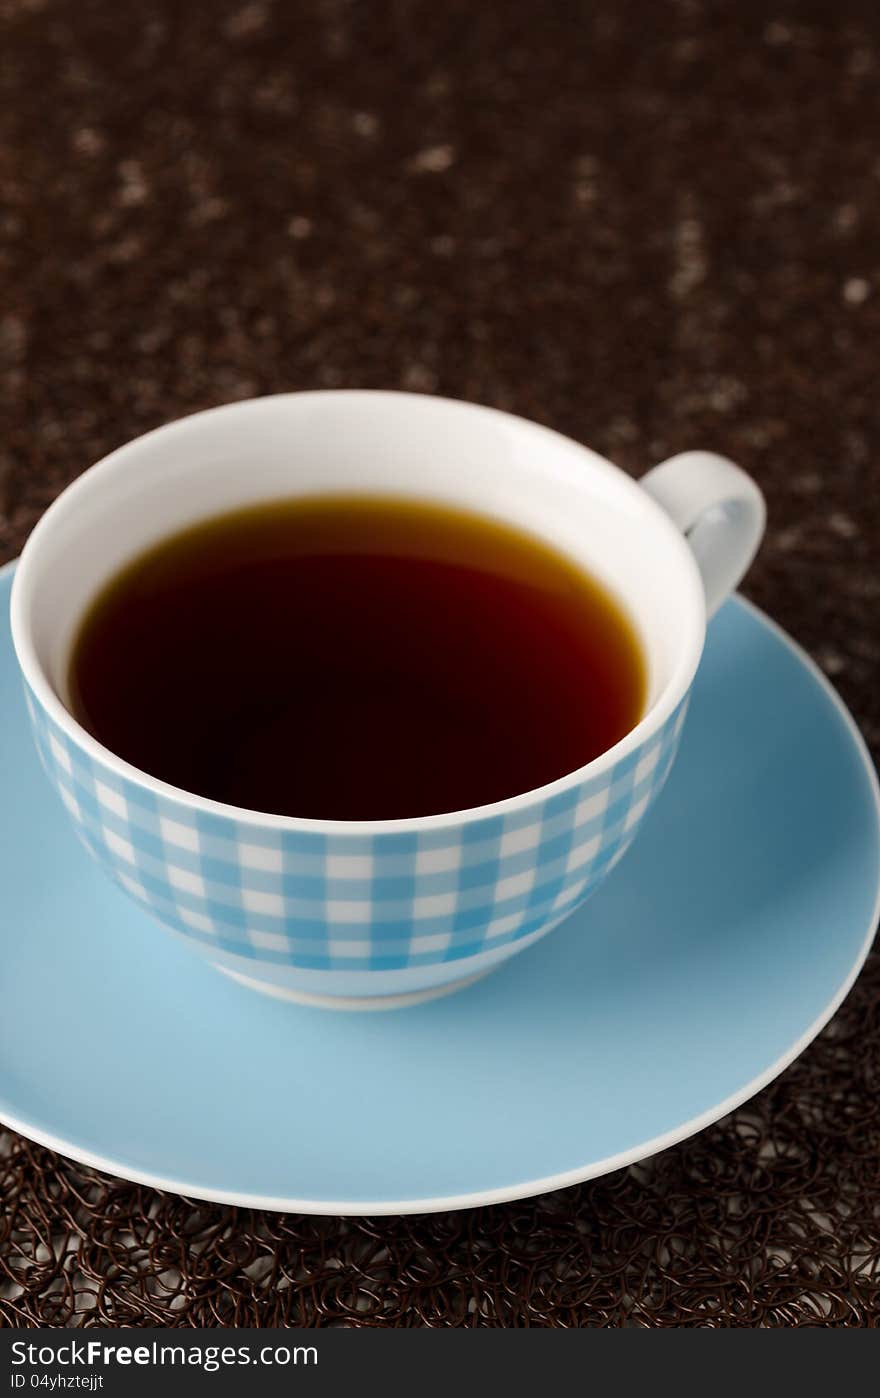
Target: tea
[356,658]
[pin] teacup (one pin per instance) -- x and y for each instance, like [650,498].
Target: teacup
[378,914]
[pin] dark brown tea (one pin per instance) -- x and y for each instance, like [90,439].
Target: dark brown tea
[356,658]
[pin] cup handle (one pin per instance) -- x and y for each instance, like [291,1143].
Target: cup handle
[718,508]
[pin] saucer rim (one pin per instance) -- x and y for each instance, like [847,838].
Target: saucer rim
[548,1183]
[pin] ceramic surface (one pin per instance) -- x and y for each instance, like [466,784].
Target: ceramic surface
[697,972]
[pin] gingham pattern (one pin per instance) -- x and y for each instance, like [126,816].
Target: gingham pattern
[388,901]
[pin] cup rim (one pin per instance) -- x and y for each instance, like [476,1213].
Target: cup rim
[43,691]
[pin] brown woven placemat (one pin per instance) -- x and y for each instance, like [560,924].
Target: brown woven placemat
[653,227]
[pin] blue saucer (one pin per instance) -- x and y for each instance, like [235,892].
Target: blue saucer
[706,963]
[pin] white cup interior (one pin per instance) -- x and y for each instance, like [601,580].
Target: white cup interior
[391,443]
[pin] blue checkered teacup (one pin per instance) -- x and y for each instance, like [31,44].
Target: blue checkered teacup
[378,914]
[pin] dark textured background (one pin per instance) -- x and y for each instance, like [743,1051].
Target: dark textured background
[651,226]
